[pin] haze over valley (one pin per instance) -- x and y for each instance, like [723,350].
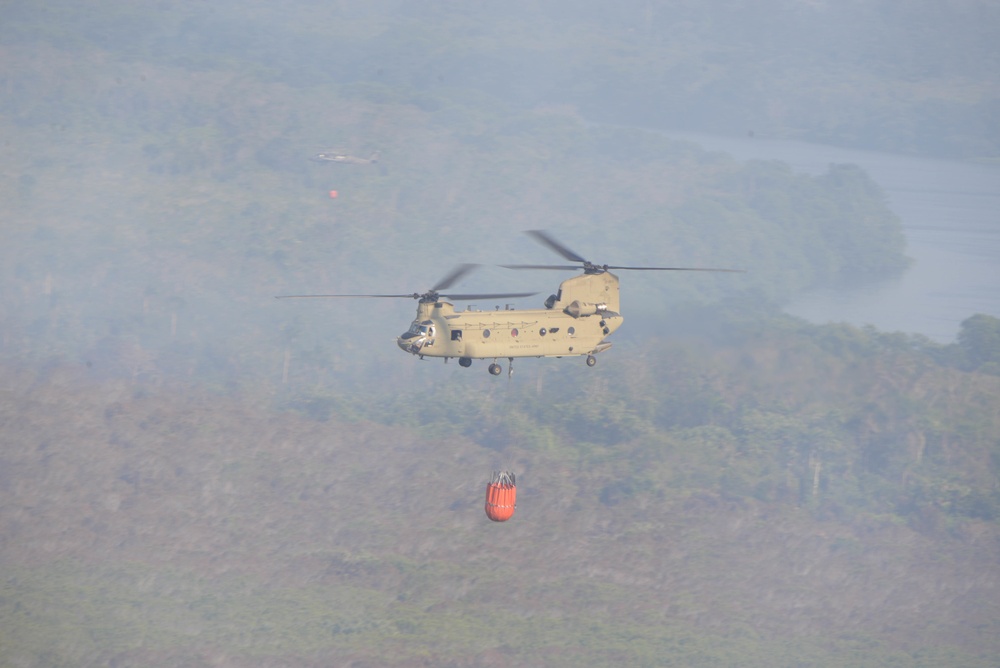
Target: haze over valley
[193,473]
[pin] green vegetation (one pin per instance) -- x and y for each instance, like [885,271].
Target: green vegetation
[839,420]
[153,242]
[979,344]
[919,79]
[335,623]
[784,494]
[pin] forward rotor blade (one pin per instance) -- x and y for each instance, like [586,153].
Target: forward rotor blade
[456,273]
[541,266]
[416,295]
[732,271]
[500,295]
[546,239]
[412,295]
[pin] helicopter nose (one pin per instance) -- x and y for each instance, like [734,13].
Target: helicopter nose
[409,342]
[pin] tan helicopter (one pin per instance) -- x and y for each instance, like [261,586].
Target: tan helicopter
[575,321]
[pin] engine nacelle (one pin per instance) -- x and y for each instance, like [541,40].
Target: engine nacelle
[579,309]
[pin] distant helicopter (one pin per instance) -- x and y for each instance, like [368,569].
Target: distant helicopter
[346,158]
[576,320]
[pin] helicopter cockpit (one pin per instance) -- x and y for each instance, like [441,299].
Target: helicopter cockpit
[419,334]
[425,328]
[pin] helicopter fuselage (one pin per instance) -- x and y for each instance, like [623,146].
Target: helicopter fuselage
[575,321]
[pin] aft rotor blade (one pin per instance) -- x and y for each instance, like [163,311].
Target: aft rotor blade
[732,271]
[546,239]
[412,295]
[456,273]
[500,295]
[611,266]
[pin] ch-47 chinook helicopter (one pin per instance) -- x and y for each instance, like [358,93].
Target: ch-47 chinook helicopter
[575,321]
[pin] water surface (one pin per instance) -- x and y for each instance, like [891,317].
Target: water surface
[950,212]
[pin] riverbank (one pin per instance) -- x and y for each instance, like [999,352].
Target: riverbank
[950,212]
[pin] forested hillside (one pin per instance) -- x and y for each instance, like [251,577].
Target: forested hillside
[919,78]
[151,222]
[800,496]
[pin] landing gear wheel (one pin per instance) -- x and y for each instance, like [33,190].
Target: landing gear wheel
[495,369]
[591,360]
[465,361]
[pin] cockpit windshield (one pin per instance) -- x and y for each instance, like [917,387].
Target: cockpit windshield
[421,329]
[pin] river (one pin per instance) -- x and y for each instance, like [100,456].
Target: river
[950,213]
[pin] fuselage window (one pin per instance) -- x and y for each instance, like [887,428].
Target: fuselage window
[486,333]
[571,331]
[513,332]
[542,332]
[456,335]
